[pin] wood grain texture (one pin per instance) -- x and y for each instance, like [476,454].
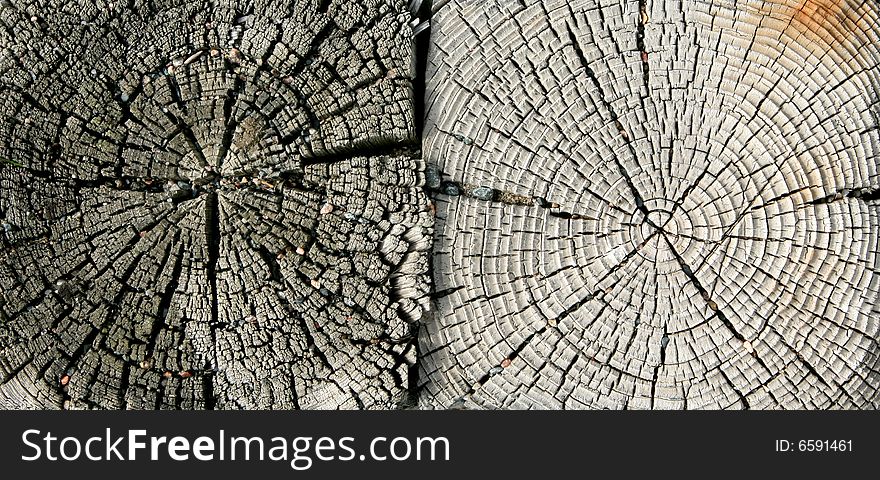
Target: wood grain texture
[654,204]
[218,204]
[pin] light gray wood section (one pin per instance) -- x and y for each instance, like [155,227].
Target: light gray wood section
[701,229]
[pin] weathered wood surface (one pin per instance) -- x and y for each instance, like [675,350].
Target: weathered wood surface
[640,204]
[218,204]
[654,204]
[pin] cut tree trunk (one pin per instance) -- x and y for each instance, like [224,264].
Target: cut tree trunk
[640,204]
[209,204]
[654,204]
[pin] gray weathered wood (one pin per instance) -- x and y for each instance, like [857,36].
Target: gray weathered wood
[219,204]
[680,204]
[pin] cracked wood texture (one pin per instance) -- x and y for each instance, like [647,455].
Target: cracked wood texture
[209,204]
[654,204]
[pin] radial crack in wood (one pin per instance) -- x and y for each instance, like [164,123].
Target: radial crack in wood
[705,227]
[215,205]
